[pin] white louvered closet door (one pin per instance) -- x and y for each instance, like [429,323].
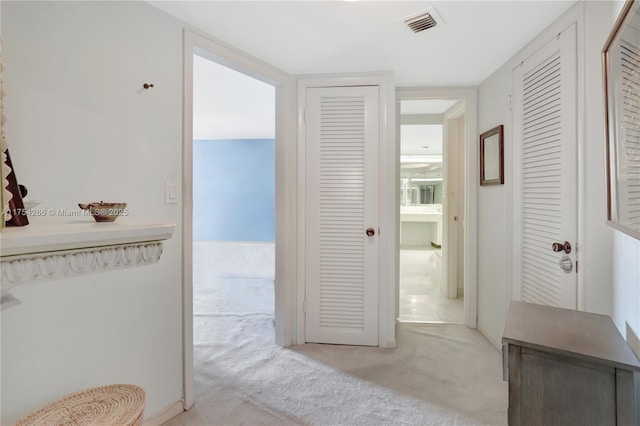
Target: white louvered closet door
[341,204]
[544,108]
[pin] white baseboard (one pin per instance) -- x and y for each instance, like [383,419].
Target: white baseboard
[164,415]
[494,342]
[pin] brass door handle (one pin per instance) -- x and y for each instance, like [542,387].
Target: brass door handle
[558,247]
[370,232]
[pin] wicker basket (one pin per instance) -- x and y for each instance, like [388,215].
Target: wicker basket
[121,405]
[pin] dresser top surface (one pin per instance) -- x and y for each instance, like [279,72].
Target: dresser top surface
[563,331]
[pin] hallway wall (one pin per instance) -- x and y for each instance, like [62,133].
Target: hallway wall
[81,129]
[234,190]
[609,267]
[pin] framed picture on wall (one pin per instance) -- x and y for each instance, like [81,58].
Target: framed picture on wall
[492,156]
[621,57]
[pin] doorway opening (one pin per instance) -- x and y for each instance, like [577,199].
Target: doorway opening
[432,138]
[233,193]
[234,231]
[283,86]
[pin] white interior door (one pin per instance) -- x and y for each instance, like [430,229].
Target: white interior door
[453,253]
[342,193]
[545,174]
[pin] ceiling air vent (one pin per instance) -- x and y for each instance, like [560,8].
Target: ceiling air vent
[421,23]
[422,20]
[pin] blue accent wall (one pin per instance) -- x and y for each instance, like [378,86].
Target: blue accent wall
[234,190]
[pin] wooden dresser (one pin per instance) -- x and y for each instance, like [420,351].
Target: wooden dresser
[566,367]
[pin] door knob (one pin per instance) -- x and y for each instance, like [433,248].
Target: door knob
[370,232]
[566,264]
[558,247]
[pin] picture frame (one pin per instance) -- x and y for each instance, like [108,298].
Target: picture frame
[492,156]
[621,78]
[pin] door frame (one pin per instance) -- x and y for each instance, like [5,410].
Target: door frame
[388,235]
[470,161]
[285,153]
[452,117]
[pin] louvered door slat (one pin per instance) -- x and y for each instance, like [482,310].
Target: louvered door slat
[341,151]
[543,109]
[545,171]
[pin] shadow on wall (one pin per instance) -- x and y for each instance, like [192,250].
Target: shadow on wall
[234,190]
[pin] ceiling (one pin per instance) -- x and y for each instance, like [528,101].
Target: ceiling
[231,105]
[470,41]
[423,137]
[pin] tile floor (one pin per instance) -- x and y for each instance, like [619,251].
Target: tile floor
[420,299]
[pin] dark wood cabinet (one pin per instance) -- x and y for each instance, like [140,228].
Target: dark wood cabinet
[567,367]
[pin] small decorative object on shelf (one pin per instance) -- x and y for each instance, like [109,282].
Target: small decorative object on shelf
[105,212]
[15,207]
[13,211]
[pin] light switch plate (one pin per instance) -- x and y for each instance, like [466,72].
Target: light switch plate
[171,192]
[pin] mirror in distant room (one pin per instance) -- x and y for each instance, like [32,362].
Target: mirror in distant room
[492,157]
[621,57]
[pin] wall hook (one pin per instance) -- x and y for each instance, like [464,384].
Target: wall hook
[147,86]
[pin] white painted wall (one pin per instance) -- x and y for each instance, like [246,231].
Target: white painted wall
[595,250]
[494,226]
[81,129]
[609,260]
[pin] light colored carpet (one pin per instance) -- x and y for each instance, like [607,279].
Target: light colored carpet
[438,375]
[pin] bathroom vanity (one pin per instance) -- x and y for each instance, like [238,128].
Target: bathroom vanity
[421,225]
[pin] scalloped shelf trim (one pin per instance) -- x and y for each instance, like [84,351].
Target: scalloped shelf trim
[68,263]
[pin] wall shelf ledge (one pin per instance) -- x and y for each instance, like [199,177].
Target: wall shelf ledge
[46,250]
